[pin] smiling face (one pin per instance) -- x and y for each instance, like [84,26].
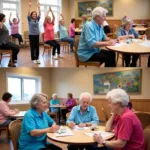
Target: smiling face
[49,19]
[34,15]
[85,102]
[14,20]
[43,105]
[100,19]
[128,26]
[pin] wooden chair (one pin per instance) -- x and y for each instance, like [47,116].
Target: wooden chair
[78,62]
[144,118]
[6,131]
[3,54]
[110,35]
[147,32]
[67,115]
[53,115]
[147,137]
[26,38]
[64,45]
[46,46]
[105,114]
[13,40]
[14,130]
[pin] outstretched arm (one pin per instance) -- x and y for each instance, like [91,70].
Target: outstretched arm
[30,4]
[38,6]
[46,17]
[52,15]
[10,19]
[18,18]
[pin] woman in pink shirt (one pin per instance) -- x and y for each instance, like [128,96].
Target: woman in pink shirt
[72,28]
[5,112]
[125,124]
[14,24]
[49,34]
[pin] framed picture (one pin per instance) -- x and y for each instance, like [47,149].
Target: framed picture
[87,7]
[129,80]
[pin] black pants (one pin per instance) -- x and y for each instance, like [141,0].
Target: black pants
[51,147]
[64,112]
[13,47]
[106,29]
[127,58]
[82,147]
[106,56]
[19,37]
[148,65]
[55,46]
[34,46]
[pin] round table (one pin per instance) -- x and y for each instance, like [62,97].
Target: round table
[133,48]
[138,29]
[59,107]
[79,138]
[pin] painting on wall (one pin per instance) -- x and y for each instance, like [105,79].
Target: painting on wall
[87,7]
[130,81]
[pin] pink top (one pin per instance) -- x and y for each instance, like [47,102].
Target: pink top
[71,30]
[128,127]
[14,28]
[48,31]
[71,103]
[5,112]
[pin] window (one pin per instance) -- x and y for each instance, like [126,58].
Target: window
[9,6]
[56,7]
[25,87]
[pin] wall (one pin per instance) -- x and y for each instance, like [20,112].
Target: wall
[132,8]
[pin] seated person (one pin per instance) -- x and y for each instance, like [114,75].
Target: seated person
[106,27]
[70,103]
[125,124]
[126,32]
[5,112]
[54,101]
[83,115]
[72,28]
[64,33]
[36,123]
[4,40]
[84,21]
[93,37]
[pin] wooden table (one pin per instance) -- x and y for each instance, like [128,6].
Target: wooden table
[79,138]
[19,115]
[138,29]
[77,30]
[59,107]
[136,24]
[133,48]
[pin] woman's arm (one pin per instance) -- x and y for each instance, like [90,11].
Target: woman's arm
[1,25]
[52,15]
[46,17]
[109,124]
[126,37]
[38,6]
[10,19]
[30,4]
[18,18]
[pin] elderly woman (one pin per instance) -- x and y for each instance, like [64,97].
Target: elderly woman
[84,20]
[127,32]
[54,101]
[93,37]
[70,103]
[83,115]
[64,33]
[5,111]
[36,124]
[72,28]
[127,127]
[4,40]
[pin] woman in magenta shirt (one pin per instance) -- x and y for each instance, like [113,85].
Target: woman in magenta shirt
[72,28]
[49,34]
[125,124]
[14,24]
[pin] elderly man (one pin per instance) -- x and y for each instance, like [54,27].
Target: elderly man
[125,124]
[83,115]
[93,37]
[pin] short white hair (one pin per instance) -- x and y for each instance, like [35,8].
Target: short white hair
[37,99]
[85,94]
[118,95]
[99,11]
[54,95]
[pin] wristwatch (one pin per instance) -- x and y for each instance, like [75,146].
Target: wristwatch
[104,142]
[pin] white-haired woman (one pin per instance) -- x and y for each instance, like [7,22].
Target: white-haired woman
[84,20]
[127,32]
[125,124]
[93,38]
[36,123]
[83,115]
[54,101]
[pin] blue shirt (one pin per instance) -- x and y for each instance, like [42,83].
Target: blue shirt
[32,121]
[54,102]
[90,116]
[91,34]
[33,25]
[122,32]
[63,31]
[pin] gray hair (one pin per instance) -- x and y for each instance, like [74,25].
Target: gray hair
[37,99]
[118,95]
[99,11]
[85,94]
[54,95]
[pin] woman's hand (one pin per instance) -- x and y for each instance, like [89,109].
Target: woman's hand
[131,36]
[111,42]
[53,129]
[50,9]
[82,125]
[17,111]
[71,124]
[38,5]
[30,3]
[98,138]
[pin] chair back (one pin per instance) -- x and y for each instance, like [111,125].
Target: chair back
[67,115]
[77,38]
[144,118]
[115,30]
[14,130]
[105,114]
[147,32]
[147,138]
[58,34]
[26,34]
[42,35]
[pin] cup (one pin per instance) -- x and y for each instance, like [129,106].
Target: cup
[93,127]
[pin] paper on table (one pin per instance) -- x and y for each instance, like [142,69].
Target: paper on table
[79,128]
[147,44]
[103,134]
[119,44]
[67,133]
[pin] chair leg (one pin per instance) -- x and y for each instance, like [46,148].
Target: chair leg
[43,51]
[140,61]
[117,58]
[11,60]
[7,134]
[122,60]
